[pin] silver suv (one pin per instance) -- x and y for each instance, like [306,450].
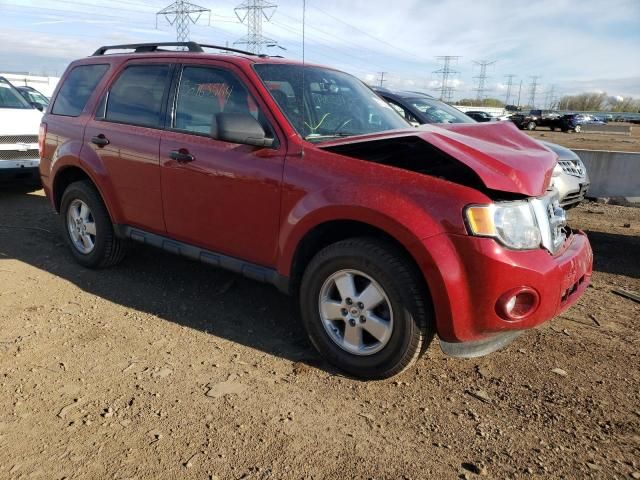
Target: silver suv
[570,176]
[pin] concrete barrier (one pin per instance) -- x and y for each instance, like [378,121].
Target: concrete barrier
[612,174]
[607,129]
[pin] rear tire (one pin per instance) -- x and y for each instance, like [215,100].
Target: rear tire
[392,333]
[87,227]
[577,129]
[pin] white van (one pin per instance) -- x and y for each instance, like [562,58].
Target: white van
[19,125]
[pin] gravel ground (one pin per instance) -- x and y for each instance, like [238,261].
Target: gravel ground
[163,368]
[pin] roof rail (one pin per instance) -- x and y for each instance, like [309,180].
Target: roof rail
[154,47]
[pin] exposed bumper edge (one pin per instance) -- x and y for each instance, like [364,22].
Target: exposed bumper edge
[479,348]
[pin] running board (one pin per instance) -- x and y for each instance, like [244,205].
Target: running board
[235,265]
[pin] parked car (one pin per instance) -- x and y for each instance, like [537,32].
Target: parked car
[536,118]
[19,124]
[479,116]
[386,233]
[574,122]
[34,97]
[570,176]
[419,108]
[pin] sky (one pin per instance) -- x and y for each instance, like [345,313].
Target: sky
[573,46]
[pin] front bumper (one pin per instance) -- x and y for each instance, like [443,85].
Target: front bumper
[20,174]
[471,273]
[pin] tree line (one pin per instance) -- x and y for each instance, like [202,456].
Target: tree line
[584,102]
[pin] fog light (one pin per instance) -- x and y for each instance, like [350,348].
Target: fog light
[518,303]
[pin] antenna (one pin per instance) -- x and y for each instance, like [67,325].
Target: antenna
[482,78]
[181,13]
[254,12]
[304,18]
[509,78]
[447,73]
[381,79]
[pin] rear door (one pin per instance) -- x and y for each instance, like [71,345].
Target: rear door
[227,198]
[125,134]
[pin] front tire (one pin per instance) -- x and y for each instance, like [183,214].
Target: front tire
[365,308]
[531,126]
[87,227]
[577,129]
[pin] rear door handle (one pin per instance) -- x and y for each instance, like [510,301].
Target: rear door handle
[100,140]
[182,155]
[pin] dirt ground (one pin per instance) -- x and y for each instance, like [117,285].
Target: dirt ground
[164,368]
[591,141]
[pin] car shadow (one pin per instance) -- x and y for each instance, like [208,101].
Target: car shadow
[615,253]
[152,281]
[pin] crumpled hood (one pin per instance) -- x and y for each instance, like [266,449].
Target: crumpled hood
[504,158]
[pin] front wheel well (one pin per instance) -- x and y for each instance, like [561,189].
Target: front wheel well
[325,234]
[63,179]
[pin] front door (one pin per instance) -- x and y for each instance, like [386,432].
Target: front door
[225,197]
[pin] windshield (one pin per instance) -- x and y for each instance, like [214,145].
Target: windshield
[10,97]
[434,111]
[35,97]
[335,103]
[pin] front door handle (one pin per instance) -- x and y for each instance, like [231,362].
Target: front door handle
[100,140]
[182,155]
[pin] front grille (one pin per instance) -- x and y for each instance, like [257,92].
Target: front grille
[11,139]
[572,167]
[19,155]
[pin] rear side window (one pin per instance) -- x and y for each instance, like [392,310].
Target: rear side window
[77,88]
[137,95]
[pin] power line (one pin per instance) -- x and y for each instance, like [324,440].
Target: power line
[446,73]
[533,86]
[509,78]
[181,13]
[255,11]
[482,77]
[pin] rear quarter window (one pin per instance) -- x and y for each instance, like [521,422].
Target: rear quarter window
[77,88]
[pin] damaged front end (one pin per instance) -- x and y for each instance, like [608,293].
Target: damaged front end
[487,157]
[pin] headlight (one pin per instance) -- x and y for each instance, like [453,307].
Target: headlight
[511,223]
[557,170]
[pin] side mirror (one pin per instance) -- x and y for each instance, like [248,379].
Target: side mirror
[37,106]
[241,128]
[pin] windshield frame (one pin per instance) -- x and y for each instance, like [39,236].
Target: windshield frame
[314,138]
[25,103]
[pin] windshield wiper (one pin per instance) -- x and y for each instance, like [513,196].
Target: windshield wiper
[329,135]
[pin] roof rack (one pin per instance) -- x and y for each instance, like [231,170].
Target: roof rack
[155,47]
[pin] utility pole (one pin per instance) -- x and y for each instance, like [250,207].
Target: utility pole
[181,13]
[533,86]
[549,98]
[381,79]
[253,12]
[509,78]
[446,73]
[482,78]
[519,92]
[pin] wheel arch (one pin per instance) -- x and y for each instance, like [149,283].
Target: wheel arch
[68,174]
[332,231]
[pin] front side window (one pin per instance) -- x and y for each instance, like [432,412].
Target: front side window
[10,97]
[77,88]
[137,96]
[204,92]
[322,104]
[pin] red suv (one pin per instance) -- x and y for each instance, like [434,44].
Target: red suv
[303,177]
